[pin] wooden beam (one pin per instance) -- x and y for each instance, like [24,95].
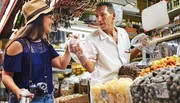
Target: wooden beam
[6,29]
[142,4]
[4,8]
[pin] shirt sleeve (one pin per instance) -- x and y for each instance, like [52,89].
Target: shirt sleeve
[12,63]
[126,36]
[53,53]
[127,46]
[90,50]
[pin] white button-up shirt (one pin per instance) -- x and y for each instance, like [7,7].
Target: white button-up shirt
[107,55]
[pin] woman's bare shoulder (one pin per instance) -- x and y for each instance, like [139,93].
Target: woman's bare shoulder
[15,48]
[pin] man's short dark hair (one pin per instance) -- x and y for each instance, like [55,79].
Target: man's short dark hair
[108,4]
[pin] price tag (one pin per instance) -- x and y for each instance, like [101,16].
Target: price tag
[65,86]
[161,90]
[84,81]
[56,86]
[104,94]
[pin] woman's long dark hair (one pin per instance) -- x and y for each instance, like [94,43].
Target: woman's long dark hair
[35,29]
[32,31]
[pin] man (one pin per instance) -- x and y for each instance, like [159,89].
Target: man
[106,49]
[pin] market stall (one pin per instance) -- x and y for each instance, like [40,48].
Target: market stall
[157,79]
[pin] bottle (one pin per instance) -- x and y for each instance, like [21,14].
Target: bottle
[129,24]
[170,4]
[174,3]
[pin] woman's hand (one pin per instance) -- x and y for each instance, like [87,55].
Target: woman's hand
[18,93]
[74,45]
[23,93]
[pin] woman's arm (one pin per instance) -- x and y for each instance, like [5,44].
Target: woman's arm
[14,49]
[9,83]
[62,62]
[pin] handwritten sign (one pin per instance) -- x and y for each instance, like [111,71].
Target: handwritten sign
[104,94]
[161,90]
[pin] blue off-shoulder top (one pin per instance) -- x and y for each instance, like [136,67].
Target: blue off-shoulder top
[20,64]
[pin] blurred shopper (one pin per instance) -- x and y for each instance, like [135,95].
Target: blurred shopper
[106,49]
[27,67]
[1,60]
[1,57]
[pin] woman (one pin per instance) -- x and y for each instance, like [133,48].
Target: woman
[29,58]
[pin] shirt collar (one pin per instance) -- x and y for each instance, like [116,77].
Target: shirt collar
[103,35]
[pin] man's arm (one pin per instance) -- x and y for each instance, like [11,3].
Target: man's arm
[75,48]
[86,63]
[89,65]
[134,53]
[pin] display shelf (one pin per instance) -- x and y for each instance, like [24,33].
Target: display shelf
[166,38]
[67,70]
[174,12]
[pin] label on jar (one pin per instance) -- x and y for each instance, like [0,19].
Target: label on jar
[84,82]
[65,86]
[104,94]
[161,90]
[56,85]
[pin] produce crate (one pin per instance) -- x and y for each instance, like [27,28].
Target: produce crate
[159,86]
[81,99]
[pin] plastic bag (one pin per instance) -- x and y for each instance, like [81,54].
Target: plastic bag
[76,42]
[139,39]
[178,51]
[141,42]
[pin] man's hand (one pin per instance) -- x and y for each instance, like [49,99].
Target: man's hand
[140,41]
[143,41]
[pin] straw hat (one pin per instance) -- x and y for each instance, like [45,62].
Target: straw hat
[34,8]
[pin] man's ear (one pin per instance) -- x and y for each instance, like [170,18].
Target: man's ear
[114,15]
